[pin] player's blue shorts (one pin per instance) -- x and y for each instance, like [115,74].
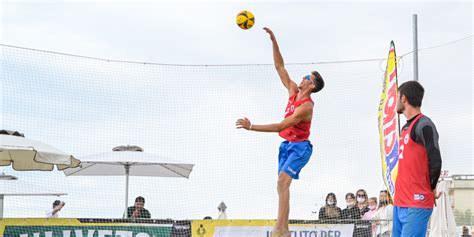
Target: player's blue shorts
[410,222]
[293,157]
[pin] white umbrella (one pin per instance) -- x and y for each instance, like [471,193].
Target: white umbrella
[7,177]
[129,161]
[20,188]
[26,154]
[442,223]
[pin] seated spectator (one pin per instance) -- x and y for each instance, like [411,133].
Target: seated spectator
[362,203]
[138,210]
[384,215]
[372,205]
[465,232]
[57,206]
[371,213]
[351,211]
[330,211]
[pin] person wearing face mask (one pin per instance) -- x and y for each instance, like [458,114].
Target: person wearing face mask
[330,211]
[362,204]
[372,205]
[352,211]
[384,215]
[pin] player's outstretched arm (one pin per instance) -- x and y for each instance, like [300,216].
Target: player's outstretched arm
[280,65]
[301,113]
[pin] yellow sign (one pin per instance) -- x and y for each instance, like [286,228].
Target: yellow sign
[263,228]
[388,122]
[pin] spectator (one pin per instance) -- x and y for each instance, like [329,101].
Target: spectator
[57,206]
[352,211]
[370,214]
[362,203]
[138,210]
[384,215]
[372,205]
[465,232]
[330,211]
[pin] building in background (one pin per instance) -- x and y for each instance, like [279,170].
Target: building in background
[461,194]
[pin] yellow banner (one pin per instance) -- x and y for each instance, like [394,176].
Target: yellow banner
[388,122]
[263,228]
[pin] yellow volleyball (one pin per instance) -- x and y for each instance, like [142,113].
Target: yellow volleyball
[245,20]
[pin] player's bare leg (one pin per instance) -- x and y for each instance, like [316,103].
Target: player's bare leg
[283,186]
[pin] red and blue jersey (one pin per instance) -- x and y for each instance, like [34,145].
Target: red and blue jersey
[300,131]
[413,188]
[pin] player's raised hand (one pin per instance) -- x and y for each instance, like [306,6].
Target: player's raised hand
[243,123]
[270,32]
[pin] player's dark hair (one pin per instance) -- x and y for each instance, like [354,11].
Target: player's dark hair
[413,91]
[318,81]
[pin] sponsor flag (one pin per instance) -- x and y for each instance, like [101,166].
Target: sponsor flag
[388,122]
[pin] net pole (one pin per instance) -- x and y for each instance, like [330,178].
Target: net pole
[415,47]
[2,196]
[127,176]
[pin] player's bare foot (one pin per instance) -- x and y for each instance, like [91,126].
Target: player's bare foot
[281,233]
[276,233]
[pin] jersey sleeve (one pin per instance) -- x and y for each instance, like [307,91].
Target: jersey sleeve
[427,135]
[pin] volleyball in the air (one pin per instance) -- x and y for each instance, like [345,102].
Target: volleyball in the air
[245,20]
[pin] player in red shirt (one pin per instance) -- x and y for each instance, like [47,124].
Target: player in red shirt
[419,165]
[296,149]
